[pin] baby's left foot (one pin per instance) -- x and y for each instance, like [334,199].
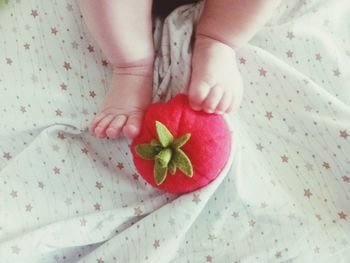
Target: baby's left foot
[216,84]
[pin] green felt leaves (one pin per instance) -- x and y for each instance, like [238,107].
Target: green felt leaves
[166,153]
[164,135]
[183,162]
[159,173]
[181,141]
[147,151]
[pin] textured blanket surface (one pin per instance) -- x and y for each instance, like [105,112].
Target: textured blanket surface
[66,196]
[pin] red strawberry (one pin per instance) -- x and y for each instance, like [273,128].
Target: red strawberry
[180,150]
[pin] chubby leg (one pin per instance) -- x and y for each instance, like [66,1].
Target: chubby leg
[123,30]
[225,25]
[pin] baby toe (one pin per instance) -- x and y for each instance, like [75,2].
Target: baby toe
[224,104]
[100,129]
[132,126]
[96,120]
[213,99]
[198,91]
[115,126]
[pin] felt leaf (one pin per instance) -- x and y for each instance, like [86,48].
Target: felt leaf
[155,143]
[179,142]
[183,162]
[164,157]
[159,173]
[172,166]
[147,151]
[164,135]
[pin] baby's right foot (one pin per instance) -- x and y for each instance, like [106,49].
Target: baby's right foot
[125,102]
[216,84]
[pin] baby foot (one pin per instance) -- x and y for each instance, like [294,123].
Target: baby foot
[125,102]
[216,84]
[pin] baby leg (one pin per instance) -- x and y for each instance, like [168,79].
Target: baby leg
[123,30]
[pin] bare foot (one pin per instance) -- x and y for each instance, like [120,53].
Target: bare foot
[125,102]
[216,84]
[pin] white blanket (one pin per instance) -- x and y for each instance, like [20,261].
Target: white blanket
[66,196]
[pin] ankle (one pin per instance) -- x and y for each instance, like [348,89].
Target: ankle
[140,67]
[209,42]
[207,35]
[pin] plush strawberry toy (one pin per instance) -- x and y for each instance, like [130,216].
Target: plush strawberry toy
[180,150]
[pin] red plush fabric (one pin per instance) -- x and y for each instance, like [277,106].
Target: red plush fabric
[208,148]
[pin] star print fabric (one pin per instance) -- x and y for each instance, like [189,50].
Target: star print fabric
[67,196]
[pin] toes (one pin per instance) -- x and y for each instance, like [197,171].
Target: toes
[96,120]
[100,129]
[132,126]
[115,126]
[225,103]
[198,91]
[213,99]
